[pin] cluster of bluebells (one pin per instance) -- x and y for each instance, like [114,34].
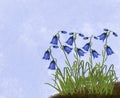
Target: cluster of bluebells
[55,43]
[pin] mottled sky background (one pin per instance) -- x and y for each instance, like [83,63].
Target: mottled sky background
[26,28]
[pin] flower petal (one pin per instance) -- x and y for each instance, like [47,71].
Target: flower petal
[106,29]
[46,55]
[67,49]
[80,52]
[115,34]
[70,41]
[85,38]
[64,32]
[95,54]
[109,51]
[80,34]
[55,46]
[54,40]
[71,33]
[52,65]
[95,37]
[102,36]
[86,46]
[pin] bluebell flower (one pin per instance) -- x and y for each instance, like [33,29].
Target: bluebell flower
[102,36]
[71,33]
[80,34]
[55,46]
[70,40]
[64,32]
[86,46]
[109,50]
[115,34]
[95,54]
[52,65]
[54,40]
[85,38]
[95,37]
[67,49]
[46,55]
[106,29]
[80,52]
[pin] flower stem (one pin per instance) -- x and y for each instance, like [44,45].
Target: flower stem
[64,52]
[105,56]
[56,66]
[91,61]
[77,58]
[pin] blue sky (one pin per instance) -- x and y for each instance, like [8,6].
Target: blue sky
[26,28]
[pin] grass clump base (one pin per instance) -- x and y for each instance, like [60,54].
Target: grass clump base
[115,94]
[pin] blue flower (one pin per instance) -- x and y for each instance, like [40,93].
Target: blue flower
[46,55]
[80,52]
[85,38]
[106,29]
[115,34]
[81,35]
[86,46]
[64,32]
[109,50]
[67,49]
[95,37]
[71,33]
[54,40]
[52,65]
[70,40]
[95,54]
[102,36]
[55,46]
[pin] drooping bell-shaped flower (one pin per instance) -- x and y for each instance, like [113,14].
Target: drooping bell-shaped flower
[55,46]
[46,55]
[85,38]
[95,37]
[52,65]
[106,29]
[102,36]
[95,54]
[80,52]
[64,32]
[67,49]
[86,46]
[109,51]
[81,35]
[54,40]
[70,40]
[115,34]
[71,33]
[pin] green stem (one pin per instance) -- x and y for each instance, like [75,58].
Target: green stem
[91,50]
[75,46]
[56,66]
[105,56]
[77,66]
[64,52]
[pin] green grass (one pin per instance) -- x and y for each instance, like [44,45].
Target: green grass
[98,81]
